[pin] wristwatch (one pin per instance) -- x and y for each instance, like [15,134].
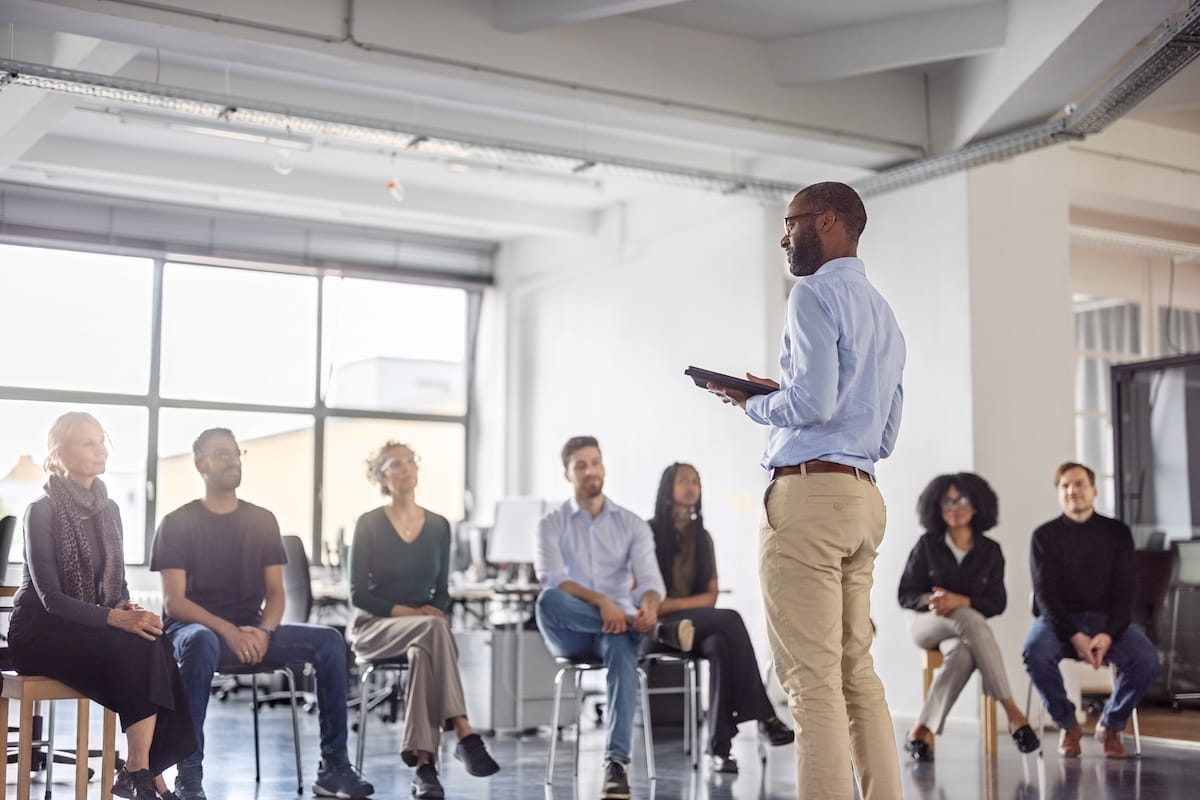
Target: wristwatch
[268,631]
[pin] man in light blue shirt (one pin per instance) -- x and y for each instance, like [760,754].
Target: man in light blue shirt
[601,591]
[834,413]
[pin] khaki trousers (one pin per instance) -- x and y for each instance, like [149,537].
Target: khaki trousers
[817,546]
[435,693]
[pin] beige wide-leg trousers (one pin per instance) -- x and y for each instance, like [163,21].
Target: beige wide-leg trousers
[817,546]
[435,693]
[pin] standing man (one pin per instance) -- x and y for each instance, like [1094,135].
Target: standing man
[1084,580]
[834,415]
[221,560]
[601,591]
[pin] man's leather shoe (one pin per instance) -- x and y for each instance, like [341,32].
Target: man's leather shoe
[1068,742]
[1111,741]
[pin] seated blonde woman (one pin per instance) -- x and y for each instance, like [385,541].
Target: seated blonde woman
[954,579]
[399,572]
[72,619]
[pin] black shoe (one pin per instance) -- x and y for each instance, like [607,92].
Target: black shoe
[727,764]
[189,784]
[676,635]
[776,732]
[425,783]
[137,785]
[616,782]
[472,752]
[168,795]
[1027,741]
[919,750]
[341,780]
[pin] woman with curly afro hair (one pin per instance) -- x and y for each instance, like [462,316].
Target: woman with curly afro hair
[954,580]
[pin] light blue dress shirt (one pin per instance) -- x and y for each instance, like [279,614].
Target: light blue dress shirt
[840,367]
[604,554]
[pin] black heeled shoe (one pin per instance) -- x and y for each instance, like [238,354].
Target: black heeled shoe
[1026,740]
[919,750]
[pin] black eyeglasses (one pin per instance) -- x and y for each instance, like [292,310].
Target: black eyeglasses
[226,456]
[787,221]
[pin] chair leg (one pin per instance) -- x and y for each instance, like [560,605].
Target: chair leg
[693,731]
[254,711]
[108,761]
[687,709]
[647,729]
[4,763]
[291,681]
[1137,736]
[25,749]
[81,749]
[364,683]
[553,727]
[578,722]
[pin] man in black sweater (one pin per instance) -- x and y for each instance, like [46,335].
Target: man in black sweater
[1084,581]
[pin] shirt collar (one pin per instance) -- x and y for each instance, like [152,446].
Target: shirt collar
[575,508]
[838,264]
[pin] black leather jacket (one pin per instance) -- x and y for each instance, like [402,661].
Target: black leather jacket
[980,576]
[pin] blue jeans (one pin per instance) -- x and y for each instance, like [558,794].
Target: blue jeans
[572,629]
[199,651]
[1134,656]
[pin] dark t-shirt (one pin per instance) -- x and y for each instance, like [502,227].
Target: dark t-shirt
[224,556]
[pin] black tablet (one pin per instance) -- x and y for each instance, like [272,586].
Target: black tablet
[703,377]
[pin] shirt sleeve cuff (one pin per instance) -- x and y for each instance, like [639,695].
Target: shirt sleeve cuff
[756,408]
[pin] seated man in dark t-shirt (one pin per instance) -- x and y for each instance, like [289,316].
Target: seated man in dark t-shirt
[1084,580]
[221,561]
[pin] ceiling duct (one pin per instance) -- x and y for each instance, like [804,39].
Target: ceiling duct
[1172,50]
[1175,47]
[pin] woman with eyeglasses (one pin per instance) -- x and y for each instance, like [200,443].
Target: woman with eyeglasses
[688,564]
[954,580]
[72,619]
[399,582]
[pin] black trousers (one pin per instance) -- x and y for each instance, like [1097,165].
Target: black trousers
[134,677]
[735,688]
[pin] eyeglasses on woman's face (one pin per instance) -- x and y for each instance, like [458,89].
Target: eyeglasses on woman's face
[961,501]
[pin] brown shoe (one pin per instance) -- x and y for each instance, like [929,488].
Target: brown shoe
[1068,742]
[1111,741]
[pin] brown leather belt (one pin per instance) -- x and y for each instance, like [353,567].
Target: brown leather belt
[818,466]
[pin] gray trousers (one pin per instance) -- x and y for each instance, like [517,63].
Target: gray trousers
[435,693]
[973,647]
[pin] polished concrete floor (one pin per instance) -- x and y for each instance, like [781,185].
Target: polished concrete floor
[959,773]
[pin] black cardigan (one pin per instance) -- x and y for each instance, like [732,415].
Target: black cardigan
[980,576]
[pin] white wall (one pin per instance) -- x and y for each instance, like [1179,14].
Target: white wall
[600,332]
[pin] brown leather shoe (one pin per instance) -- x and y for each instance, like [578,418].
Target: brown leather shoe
[1068,742]
[1111,741]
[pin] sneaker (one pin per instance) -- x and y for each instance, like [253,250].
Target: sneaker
[616,782]
[342,781]
[472,752]
[189,783]
[776,732]
[138,785]
[676,635]
[425,783]
[726,764]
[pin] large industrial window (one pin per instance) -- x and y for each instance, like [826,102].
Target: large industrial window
[309,368]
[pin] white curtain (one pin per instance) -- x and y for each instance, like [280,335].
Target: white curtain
[1180,331]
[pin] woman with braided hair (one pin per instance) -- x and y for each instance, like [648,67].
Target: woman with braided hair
[72,620]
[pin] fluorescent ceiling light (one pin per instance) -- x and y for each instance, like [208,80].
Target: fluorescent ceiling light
[216,128]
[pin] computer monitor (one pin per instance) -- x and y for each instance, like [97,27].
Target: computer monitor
[513,536]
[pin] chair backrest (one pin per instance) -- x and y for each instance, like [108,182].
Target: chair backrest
[1189,562]
[297,585]
[8,529]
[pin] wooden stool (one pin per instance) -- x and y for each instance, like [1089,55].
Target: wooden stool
[932,659]
[30,689]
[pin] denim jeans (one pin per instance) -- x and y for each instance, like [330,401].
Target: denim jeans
[199,651]
[572,629]
[1133,654]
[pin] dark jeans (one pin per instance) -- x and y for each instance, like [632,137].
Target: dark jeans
[735,687]
[199,651]
[1133,654]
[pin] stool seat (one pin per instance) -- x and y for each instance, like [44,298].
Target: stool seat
[32,689]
